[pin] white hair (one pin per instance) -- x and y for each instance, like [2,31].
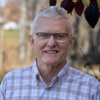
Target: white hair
[52,12]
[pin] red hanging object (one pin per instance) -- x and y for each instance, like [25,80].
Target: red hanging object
[92,13]
[79,7]
[68,5]
[52,2]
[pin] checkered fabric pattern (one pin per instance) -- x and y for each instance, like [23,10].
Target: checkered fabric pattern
[70,84]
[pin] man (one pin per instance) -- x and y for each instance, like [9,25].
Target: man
[50,77]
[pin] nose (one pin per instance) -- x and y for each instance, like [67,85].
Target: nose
[51,42]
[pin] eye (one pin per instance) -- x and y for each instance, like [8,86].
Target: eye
[60,35]
[43,35]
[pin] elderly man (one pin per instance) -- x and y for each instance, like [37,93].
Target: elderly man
[50,77]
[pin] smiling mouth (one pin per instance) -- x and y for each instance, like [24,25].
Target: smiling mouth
[51,52]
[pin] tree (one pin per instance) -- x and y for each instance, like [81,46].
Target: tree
[23,30]
[11,11]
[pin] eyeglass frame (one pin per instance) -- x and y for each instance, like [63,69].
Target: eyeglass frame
[54,35]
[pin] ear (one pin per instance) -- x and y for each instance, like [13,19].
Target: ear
[72,40]
[31,40]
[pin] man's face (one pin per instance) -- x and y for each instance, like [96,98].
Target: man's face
[51,52]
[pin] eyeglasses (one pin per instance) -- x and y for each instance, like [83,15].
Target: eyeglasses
[59,37]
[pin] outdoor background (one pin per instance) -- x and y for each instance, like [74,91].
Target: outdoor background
[16,18]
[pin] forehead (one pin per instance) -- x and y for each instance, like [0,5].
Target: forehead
[51,24]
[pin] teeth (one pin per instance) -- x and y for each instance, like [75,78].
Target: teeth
[51,51]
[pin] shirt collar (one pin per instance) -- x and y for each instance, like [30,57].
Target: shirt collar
[35,68]
[35,72]
[64,71]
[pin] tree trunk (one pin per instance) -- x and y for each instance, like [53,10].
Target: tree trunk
[1,47]
[23,30]
[75,50]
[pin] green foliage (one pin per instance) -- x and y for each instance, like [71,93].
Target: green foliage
[11,34]
[99,4]
[86,2]
[14,34]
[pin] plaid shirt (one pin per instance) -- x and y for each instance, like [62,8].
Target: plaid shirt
[69,84]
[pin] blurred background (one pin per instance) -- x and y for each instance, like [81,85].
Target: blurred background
[16,18]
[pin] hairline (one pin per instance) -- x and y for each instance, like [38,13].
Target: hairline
[54,13]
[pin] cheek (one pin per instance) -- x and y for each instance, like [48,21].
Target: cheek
[38,46]
[65,48]
[66,45]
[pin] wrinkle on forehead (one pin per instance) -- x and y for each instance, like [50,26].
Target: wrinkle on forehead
[42,20]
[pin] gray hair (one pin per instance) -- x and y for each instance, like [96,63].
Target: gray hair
[52,12]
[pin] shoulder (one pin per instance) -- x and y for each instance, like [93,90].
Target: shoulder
[18,73]
[82,77]
[21,70]
[82,83]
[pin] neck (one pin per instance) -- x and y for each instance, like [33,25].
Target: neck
[48,72]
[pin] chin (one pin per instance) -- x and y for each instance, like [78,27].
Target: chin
[50,62]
